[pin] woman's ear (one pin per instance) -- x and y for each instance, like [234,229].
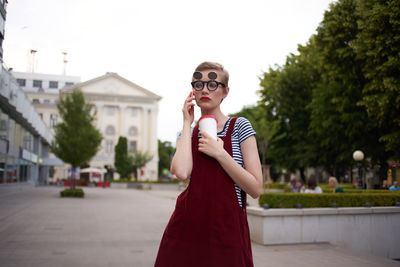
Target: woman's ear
[226,92]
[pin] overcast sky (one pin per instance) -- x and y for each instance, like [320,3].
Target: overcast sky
[157,43]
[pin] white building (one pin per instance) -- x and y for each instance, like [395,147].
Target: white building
[123,109]
[44,90]
[24,137]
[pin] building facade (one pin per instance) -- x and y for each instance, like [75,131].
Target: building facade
[24,137]
[126,109]
[3,13]
[43,90]
[123,108]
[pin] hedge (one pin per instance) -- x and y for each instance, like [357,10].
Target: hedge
[77,192]
[291,200]
[371,191]
[277,186]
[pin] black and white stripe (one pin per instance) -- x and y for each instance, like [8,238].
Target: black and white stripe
[241,131]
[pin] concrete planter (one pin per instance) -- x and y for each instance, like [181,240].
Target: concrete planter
[119,185]
[144,186]
[374,230]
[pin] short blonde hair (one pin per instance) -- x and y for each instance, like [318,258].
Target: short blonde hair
[334,180]
[215,66]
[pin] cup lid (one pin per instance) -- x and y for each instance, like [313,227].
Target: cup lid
[208,116]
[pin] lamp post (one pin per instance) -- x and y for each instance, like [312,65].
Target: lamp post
[358,156]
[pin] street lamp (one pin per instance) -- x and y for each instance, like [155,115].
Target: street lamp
[358,156]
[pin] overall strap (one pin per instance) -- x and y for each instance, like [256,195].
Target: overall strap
[229,133]
[231,126]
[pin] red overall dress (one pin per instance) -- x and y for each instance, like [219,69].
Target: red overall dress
[208,227]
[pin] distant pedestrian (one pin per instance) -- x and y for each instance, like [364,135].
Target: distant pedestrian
[300,186]
[312,186]
[334,183]
[395,186]
[384,185]
[293,186]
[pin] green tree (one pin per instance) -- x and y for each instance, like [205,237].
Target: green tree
[139,160]
[122,161]
[264,128]
[338,122]
[76,138]
[378,46]
[285,96]
[165,153]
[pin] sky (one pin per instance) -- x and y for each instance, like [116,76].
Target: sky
[157,44]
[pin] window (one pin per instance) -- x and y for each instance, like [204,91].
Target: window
[109,146]
[133,112]
[53,84]
[132,131]
[21,82]
[110,130]
[3,125]
[37,83]
[41,115]
[132,146]
[110,111]
[36,101]
[28,142]
[69,83]
[46,101]
[53,120]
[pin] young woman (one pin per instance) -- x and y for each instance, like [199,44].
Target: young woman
[209,225]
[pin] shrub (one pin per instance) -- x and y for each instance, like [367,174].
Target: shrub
[290,200]
[68,192]
[277,186]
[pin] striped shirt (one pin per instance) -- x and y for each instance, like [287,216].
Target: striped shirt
[241,131]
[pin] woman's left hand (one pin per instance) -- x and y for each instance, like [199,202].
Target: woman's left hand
[210,146]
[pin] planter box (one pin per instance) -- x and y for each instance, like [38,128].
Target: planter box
[103,184]
[144,186]
[374,230]
[119,185]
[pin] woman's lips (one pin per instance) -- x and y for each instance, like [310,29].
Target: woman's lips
[205,98]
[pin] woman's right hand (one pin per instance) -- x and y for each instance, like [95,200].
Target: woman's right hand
[188,108]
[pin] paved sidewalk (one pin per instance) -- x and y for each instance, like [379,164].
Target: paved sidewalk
[120,227]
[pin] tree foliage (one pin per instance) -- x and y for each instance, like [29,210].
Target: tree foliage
[140,159]
[165,153]
[378,47]
[76,138]
[340,92]
[122,161]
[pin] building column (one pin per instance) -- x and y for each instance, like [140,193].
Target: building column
[122,131]
[34,172]
[144,129]
[154,143]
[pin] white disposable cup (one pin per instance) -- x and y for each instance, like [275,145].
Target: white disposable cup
[208,124]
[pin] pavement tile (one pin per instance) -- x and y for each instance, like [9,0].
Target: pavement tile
[120,227]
